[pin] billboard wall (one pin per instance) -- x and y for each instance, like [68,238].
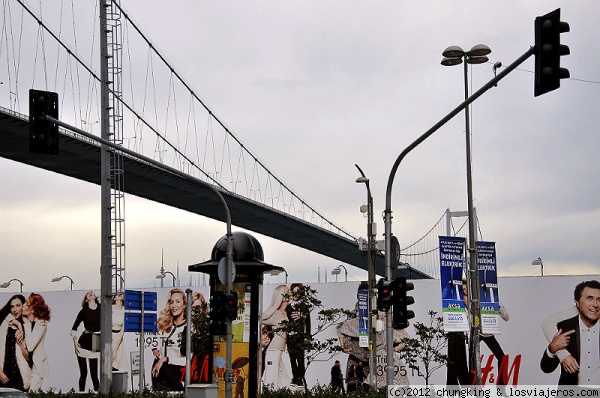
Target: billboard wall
[528,301]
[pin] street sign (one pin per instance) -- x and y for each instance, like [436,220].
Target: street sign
[133,300]
[133,322]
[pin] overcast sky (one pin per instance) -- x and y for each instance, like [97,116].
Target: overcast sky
[313,87]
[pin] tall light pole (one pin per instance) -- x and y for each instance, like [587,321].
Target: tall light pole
[7,284]
[372,307]
[58,278]
[455,55]
[387,213]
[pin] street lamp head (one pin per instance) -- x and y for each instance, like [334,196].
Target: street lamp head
[479,50]
[537,262]
[5,285]
[161,276]
[478,59]
[453,52]
[56,279]
[451,61]
[362,180]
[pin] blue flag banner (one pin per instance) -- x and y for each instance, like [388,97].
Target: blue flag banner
[452,260]
[363,318]
[488,287]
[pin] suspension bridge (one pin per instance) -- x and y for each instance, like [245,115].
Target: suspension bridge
[156,113]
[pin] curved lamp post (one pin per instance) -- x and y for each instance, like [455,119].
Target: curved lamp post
[337,270]
[455,55]
[163,275]
[105,327]
[58,278]
[7,284]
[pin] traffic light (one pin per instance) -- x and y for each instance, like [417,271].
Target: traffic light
[401,314]
[43,134]
[218,313]
[231,301]
[548,51]
[384,295]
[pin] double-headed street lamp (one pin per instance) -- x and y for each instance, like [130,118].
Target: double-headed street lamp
[59,278]
[7,284]
[455,55]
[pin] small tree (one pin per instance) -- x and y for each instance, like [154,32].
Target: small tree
[427,347]
[201,341]
[305,302]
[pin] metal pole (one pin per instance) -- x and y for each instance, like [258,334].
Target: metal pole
[188,336]
[388,194]
[105,214]
[141,381]
[229,337]
[372,307]
[473,274]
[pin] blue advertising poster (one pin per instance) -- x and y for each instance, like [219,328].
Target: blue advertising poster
[488,283]
[363,318]
[452,260]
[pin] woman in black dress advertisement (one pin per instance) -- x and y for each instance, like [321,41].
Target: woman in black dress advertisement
[14,368]
[89,315]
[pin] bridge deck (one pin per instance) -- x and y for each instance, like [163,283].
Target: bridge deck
[81,160]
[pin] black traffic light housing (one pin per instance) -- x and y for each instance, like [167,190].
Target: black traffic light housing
[548,51]
[401,314]
[43,134]
[384,294]
[231,305]
[218,313]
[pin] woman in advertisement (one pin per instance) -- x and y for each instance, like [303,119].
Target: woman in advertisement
[118,330]
[37,313]
[168,369]
[14,368]
[89,315]
[275,373]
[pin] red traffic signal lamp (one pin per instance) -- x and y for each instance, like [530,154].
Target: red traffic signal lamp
[43,134]
[231,305]
[548,51]
[384,295]
[401,314]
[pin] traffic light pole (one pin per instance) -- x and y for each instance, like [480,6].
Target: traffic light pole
[388,196]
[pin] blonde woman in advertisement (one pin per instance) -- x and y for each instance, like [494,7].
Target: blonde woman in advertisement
[275,373]
[37,314]
[14,368]
[119,361]
[168,369]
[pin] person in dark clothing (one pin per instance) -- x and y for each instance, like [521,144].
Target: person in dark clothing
[360,374]
[295,337]
[457,372]
[352,379]
[15,371]
[337,379]
[89,315]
